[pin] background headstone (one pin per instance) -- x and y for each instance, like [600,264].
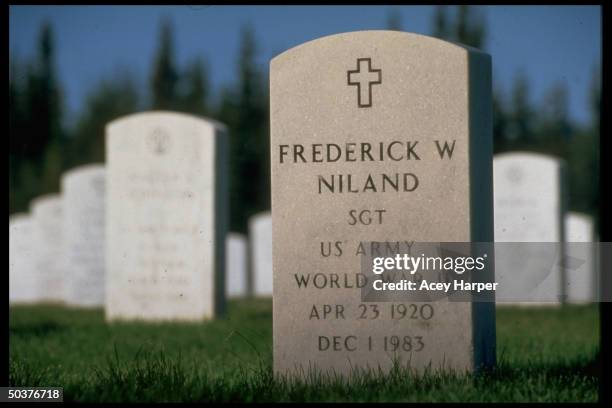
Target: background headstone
[166,219]
[50,268]
[260,241]
[23,287]
[83,192]
[236,279]
[529,208]
[581,280]
[376,87]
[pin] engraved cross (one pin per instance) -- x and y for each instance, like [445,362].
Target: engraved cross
[364,77]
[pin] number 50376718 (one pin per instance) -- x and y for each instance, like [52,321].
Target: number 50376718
[32,393]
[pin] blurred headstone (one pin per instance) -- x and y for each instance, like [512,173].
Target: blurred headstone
[260,241]
[236,279]
[50,268]
[580,275]
[83,191]
[23,285]
[529,208]
[166,219]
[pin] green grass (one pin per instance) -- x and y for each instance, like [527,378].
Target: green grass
[543,354]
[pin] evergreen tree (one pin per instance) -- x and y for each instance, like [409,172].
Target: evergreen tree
[16,129]
[500,122]
[110,99]
[555,111]
[520,128]
[195,90]
[164,81]
[35,117]
[469,27]
[584,158]
[595,99]
[394,20]
[245,110]
[440,24]
[43,101]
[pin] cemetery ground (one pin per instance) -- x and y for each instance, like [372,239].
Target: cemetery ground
[543,355]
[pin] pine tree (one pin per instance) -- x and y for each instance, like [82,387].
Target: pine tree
[500,122]
[440,24]
[520,131]
[557,128]
[110,99]
[164,81]
[394,20]
[43,101]
[469,27]
[35,121]
[245,110]
[195,90]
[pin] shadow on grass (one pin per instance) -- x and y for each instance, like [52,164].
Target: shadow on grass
[42,329]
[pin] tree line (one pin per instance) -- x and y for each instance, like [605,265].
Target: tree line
[42,146]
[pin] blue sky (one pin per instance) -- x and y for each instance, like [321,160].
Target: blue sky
[548,43]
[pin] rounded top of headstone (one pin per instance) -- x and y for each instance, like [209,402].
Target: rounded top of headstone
[259,218]
[82,175]
[585,218]
[236,236]
[159,115]
[527,156]
[19,218]
[522,172]
[382,38]
[513,165]
[579,227]
[45,202]
[84,170]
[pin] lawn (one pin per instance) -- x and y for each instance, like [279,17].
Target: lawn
[543,355]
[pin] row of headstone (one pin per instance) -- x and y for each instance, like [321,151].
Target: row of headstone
[166,209]
[57,250]
[83,190]
[536,237]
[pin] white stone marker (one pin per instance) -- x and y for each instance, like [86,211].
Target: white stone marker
[529,208]
[50,268]
[83,191]
[260,241]
[166,218]
[23,287]
[376,121]
[580,282]
[236,279]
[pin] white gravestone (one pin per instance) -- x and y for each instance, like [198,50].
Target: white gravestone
[83,191]
[260,240]
[166,218]
[581,280]
[22,260]
[529,208]
[236,278]
[50,269]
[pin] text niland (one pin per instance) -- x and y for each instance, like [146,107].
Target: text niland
[362,152]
